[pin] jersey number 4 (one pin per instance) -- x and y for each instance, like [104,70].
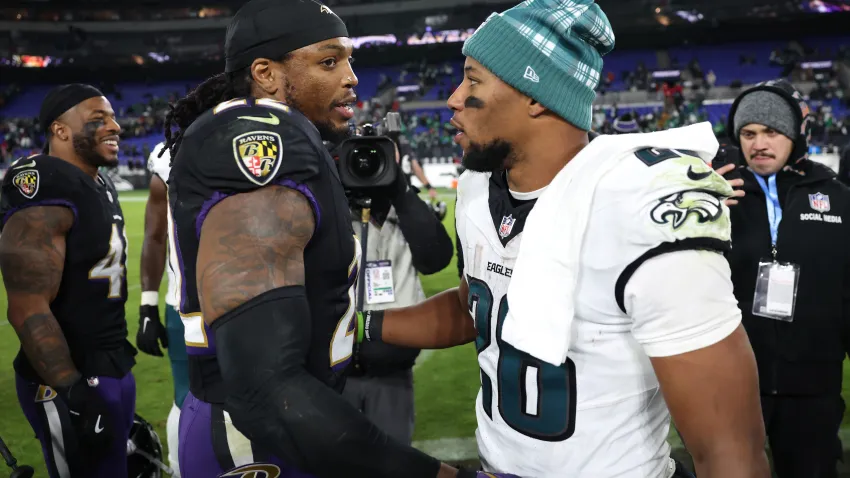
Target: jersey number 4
[535,398]
[111,267]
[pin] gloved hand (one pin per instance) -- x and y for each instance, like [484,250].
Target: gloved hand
[91,421]
[151,331]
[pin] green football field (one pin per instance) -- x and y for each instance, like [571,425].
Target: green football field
[446,381]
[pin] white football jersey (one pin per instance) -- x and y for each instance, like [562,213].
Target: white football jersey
[601,414]
[161,166]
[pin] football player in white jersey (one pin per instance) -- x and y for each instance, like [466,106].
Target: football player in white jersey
[151,334]
[655,325]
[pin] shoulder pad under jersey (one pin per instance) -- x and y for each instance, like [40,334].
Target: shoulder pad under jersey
[40,180]
[665,195]
[247,143]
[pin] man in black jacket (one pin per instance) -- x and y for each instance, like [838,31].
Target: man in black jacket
[405,238]
[791,230]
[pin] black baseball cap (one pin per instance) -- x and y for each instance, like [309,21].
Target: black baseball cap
[273,28]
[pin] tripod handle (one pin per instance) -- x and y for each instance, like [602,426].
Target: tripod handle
[22,471]
[7,455]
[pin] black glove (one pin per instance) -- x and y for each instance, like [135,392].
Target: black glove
[728,154]
[91,421]
[151,331]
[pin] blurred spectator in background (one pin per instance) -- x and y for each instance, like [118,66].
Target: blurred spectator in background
[790,263]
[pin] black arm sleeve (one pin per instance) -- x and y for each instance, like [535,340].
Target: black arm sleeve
[274,402]
[429,242]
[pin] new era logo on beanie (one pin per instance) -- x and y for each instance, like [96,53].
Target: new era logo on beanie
[551,50]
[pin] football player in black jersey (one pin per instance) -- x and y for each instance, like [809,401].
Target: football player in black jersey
[62,255]
[267,258]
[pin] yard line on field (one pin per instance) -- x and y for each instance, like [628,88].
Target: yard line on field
[423,356]
[449,449]
[133,199]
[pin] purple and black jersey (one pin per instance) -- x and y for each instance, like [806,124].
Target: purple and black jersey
[89,306]
[237,147]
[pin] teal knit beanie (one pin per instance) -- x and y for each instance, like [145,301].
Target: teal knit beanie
[550,50]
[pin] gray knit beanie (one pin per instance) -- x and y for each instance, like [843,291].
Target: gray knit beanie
[768,109]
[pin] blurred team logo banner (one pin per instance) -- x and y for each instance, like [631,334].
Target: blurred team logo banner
[258,155]
[27,183]
[819,202]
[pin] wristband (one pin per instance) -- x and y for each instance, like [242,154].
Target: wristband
[150,297]
[428,186]
[360,327]
[373,325]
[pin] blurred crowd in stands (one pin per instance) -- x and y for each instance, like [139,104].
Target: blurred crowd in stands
[675,102]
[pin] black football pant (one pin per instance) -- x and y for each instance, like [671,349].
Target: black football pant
[803,434]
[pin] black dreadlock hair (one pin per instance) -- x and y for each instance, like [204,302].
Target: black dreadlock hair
[216,89]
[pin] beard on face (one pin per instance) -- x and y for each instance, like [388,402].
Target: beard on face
[492,157]
[327,130]
[85,146]
[331,133]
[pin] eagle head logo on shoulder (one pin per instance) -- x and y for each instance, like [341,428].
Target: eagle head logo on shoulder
[675,208]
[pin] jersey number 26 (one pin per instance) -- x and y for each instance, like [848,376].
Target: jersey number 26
[535,398]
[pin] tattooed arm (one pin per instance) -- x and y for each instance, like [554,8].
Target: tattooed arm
[250,273]
[32,258]
[241,255]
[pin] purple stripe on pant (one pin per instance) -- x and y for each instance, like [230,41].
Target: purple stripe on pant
[49,419]
[206,442]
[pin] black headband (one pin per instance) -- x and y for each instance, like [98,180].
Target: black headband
[273,28]
[61,99]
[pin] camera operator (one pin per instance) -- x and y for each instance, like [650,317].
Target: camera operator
[405,238]
[789,262]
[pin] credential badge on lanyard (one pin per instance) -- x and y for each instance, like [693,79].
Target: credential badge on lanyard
[776,282]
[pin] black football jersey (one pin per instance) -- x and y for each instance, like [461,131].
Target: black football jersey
[90,304]
[239,146]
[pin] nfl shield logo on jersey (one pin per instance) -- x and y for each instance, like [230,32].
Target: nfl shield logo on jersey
[506,226]
[258,155]
[819,202]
